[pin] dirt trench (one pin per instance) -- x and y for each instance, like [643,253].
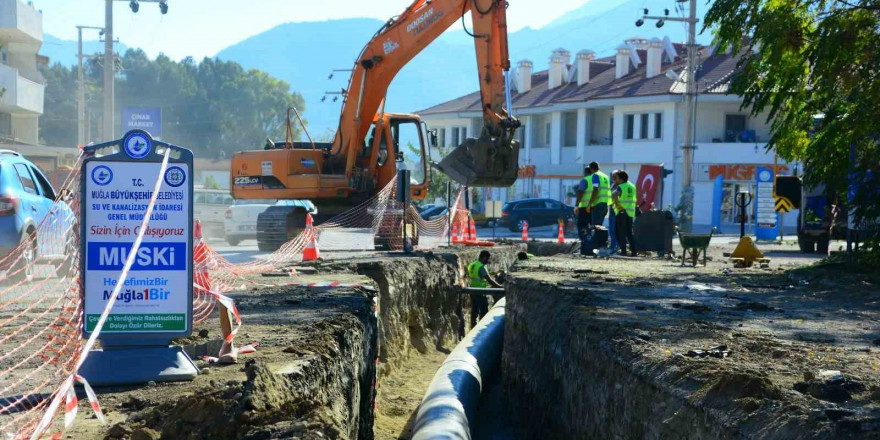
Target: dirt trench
[315,372]
[418,311]
[421,321]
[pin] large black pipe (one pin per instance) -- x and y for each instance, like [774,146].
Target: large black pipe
[450,404]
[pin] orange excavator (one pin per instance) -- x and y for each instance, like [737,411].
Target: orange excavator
[370,144]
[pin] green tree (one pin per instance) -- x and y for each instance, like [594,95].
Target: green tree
[807,58]
[436,180]
[327,136]
[58,122]
[214,107]
[211,182]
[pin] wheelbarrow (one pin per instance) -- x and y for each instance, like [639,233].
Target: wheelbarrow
[693,244]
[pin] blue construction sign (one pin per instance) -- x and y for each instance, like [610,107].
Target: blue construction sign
[155,303]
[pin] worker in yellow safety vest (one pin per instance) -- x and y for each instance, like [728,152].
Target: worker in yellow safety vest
[479,276]
[592,207]
[624,199]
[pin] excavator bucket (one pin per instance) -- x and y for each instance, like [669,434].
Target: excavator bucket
[483,162]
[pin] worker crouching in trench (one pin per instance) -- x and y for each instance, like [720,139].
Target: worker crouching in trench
[478,275]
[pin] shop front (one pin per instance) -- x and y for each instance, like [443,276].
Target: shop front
[734,178]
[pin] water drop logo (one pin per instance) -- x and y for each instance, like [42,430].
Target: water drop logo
[102,175]
[137,145]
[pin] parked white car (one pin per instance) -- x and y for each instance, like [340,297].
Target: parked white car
[208,207]
[241,220]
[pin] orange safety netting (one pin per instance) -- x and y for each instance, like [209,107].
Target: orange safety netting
[41,303]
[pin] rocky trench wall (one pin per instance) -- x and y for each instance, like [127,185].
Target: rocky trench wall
[573,377]
[418,309]
[325,384]
[322,385]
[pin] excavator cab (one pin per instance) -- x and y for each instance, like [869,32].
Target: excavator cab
[395,141]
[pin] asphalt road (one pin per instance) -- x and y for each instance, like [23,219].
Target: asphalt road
[247,250]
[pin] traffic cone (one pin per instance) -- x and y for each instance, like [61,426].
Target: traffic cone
[462,234]
[473,230]
[201,277]
[455,235]
[197,232]
[311,253]
[561,238]
[525,232]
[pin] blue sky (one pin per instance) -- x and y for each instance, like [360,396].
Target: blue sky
[204,27]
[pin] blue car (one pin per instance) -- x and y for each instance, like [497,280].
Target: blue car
[27,200]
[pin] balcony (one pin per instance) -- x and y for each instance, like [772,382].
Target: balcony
[22,95]
[732,152]
[20,23]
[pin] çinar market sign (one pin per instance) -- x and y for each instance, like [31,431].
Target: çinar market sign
[148,119]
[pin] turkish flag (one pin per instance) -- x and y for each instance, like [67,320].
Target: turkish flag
[648,186]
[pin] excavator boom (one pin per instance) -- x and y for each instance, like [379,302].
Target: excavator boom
[369,142]
[489,160]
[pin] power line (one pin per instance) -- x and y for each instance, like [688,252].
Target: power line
[539,45]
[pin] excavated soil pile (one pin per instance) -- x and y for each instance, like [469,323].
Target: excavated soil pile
[645,349]
[315,373]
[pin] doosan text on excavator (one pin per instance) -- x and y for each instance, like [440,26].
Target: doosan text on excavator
[362,158]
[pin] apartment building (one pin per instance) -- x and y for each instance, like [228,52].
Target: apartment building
[624,111]
[21,84]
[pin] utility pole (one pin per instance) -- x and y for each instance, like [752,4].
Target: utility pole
[687,190]
[109,72]
[686,216]
[81,95]
[81,101]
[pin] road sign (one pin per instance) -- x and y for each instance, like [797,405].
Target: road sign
[493,208]
[790,188]
[148,119]
[783,205]
[155,303]
[765,206]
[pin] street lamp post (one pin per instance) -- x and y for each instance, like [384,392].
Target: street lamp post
[110,59]
[81,101]
[109,71]
[687,192]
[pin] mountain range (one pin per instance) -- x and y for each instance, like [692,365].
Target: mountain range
[305,53]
